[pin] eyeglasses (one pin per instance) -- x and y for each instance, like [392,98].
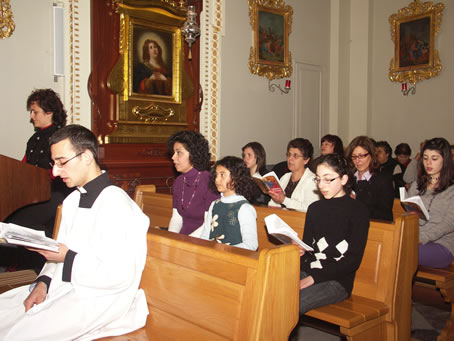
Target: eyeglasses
[60,164]
[294,155]
[359,156]
[326,181]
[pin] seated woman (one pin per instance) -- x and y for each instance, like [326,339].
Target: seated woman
[389,165]
[434,186]
[254,156]
[375,189]
[191,193]
[299,188]
[336,228]
[403,153]
[329,144]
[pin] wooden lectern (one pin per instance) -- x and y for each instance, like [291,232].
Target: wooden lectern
[21,184]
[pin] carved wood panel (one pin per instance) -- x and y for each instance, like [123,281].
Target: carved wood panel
[130,164]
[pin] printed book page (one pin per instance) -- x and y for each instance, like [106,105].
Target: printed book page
[283,232]
[413,204]
[24,236]
[268,182]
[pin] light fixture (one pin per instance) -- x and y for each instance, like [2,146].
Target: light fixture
[406,89]
[190,29]
[274,86]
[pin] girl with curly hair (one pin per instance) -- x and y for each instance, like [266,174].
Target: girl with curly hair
[232,220]
[191,193]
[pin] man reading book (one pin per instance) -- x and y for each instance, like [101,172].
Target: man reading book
[89,288]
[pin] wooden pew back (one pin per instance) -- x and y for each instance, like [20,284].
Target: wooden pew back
[157,206]
[199,290]
[389,262]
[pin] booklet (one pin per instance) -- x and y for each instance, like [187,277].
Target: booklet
[413,204]
[19,235]
[268,182]
[283,232]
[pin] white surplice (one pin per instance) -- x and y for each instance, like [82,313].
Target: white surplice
[101,296]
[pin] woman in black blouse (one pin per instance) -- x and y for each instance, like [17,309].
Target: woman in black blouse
[375,189]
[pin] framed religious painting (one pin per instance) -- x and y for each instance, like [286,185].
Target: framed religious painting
[413,31]
[271,22]
[154,61]
[148,76]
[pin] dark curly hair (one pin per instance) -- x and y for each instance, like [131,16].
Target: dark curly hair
[49,101]
[260,156]
[336,141]
[446,174]
[241,182]
[196,145]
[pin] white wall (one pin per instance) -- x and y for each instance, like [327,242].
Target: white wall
[26,63]
[325,33]
[249,112]
[413,118]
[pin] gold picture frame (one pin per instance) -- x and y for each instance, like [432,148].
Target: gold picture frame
[271,22]
[413,31]
[151,100]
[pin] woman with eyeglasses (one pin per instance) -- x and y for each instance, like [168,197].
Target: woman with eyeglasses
[47,114]
[375,189]
[435,187]
[298,184]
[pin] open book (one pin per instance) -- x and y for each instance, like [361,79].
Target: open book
[19,235]
[268,182]
[283,232]
[413,204]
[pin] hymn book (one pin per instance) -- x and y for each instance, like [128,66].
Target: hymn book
[413,204]
[268,183]
[24,236]
[280,230]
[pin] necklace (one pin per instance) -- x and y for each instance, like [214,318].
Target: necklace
[195,183]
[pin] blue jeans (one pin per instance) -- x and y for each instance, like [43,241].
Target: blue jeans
[320,294]
[434,255]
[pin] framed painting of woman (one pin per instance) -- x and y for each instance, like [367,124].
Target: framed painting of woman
[154,61]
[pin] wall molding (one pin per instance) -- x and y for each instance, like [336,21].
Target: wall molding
[212,23]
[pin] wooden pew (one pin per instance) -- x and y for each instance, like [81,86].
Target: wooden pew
[380,305]
[441,280]
[201,290]
[381,301]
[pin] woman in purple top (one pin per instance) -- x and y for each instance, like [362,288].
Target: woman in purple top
[191,194]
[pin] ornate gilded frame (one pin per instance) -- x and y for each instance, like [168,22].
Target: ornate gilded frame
[148,117]
[7,25]
[267,57]
[413,31]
